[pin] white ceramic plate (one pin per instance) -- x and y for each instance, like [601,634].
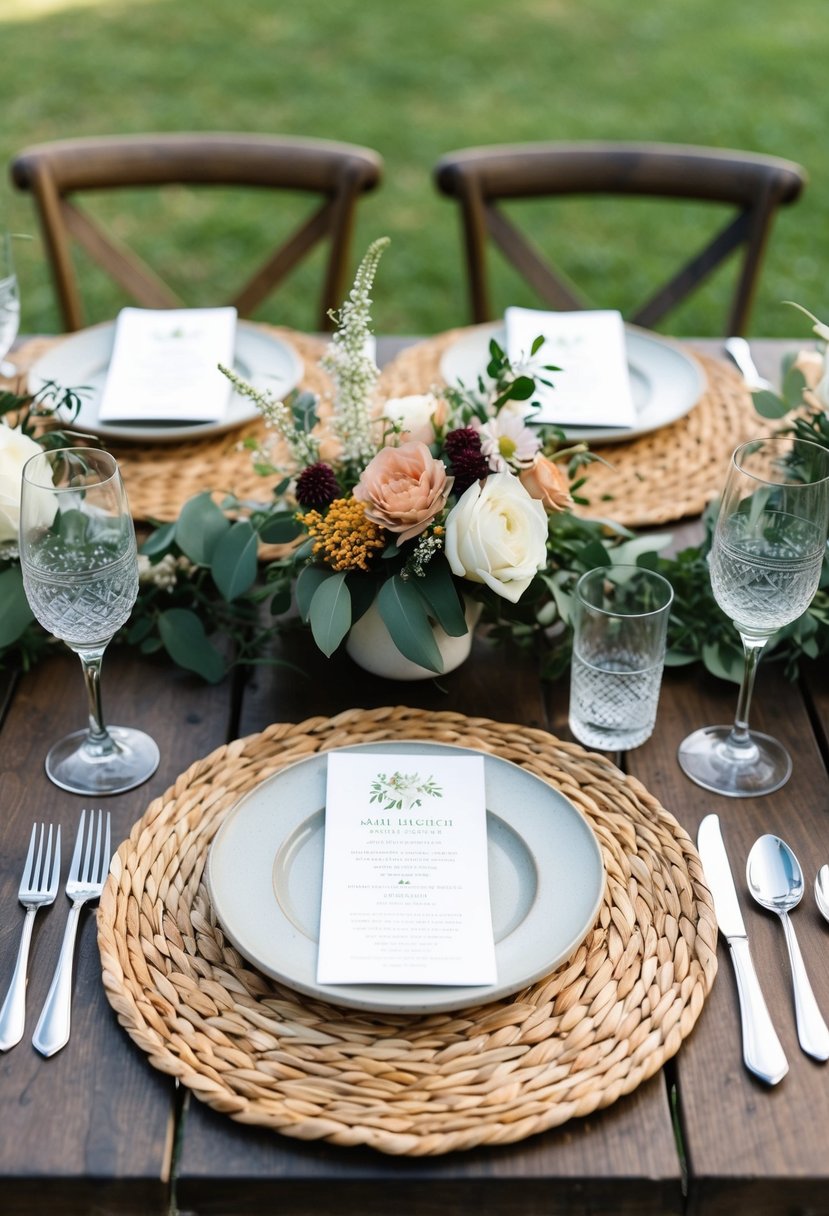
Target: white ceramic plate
[666,382]
[264,875]
[82,360]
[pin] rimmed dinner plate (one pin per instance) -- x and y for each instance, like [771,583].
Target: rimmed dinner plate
[264,875]
[82,360]
[665,381]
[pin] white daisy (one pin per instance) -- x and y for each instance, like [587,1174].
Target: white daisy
[507,443]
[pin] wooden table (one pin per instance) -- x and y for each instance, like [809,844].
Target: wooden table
[97,1129]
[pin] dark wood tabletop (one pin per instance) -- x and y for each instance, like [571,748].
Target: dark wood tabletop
[96,1129]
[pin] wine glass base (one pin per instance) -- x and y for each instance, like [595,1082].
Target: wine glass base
[76,766]
[711,760]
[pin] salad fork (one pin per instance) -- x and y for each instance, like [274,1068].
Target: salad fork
[38,888]
[87,875]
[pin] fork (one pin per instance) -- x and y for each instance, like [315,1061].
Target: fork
[87,874]
[38,888]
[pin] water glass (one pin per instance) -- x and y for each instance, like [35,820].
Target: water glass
[620,624]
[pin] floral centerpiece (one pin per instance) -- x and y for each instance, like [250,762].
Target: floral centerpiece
[412,513]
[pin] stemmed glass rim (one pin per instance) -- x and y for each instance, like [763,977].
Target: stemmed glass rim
[44,459]
[790,442]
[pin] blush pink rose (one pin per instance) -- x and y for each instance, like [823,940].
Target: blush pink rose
[404,489]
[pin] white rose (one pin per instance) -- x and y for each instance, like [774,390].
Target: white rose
[15,450]
[416,416]
[497,534]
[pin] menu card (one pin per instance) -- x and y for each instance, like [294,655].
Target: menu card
[164,365]
[405,887]
[593,386]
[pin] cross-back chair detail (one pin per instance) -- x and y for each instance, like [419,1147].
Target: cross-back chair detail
[57,173]
[479,179]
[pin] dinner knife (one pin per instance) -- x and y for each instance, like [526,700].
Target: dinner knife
[762,1051]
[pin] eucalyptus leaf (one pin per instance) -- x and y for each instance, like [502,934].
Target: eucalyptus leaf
[723,662]
[629,552]
[199,527]
[794,382]
[363,591]
[141,629]
[307,583]
[187,644]
[281,528]
[158,542]
[73,527]
[438,589]
[15,613]
[595,554]
[769,405]
[679,658]
[330,613]
[404,615]
[234,565]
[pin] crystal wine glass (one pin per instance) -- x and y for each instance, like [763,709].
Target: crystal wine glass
[9,304]
[80,571]
[767,552]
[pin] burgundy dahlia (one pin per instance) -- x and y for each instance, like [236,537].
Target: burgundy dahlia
[317,486]
[466,460]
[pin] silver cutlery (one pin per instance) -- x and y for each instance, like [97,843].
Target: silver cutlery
[740,352]
[775,879]
[38,888]
[762,1051]
[822,891]
[87,874]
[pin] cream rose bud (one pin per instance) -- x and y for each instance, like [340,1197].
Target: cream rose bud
[496,534]
[417,416]
[15,450]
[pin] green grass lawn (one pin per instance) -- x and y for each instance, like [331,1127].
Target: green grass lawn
[414,81]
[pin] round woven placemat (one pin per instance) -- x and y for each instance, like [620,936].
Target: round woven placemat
[161,477]
[566,1045]
[658,478]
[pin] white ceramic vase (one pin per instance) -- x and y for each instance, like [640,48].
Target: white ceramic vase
[370,645]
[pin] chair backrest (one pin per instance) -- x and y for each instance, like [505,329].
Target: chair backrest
[753,187]
[334,174]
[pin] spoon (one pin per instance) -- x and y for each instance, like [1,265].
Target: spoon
[822,891]
[740,352]
[775,879]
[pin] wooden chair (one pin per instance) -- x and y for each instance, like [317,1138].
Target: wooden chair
[479,179]
[55,173]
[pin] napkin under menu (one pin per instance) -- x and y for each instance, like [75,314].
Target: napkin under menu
[405,886]
[164,365]
[593,386]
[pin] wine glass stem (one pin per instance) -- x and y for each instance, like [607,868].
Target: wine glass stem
[752,649]
[97,737]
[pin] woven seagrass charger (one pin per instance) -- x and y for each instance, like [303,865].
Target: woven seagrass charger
[564,1046]
[655,479]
